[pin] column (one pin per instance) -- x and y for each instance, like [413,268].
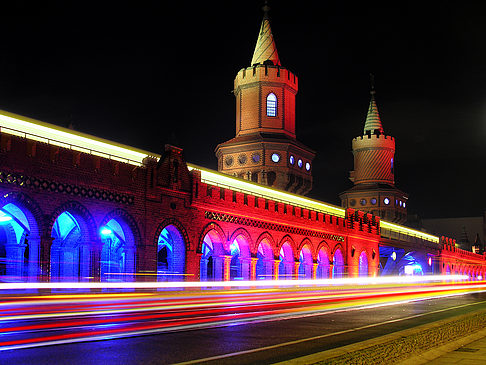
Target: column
[226,267]
[85,262]
[314,270]
[331,270]
[34,267]
[276,265]
[45,258]
[296,269]
[253,264]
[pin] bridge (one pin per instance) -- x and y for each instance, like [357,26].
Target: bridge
[75,207]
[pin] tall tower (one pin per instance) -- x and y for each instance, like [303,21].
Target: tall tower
[265,149]
[373,176]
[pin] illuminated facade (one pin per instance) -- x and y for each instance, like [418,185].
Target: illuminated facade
[265,149]
[74,207]
[373,176]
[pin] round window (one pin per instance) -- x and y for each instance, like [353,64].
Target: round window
[275,157]
[373,201]
[386,201]
[352,202]
[307,166]
[228,161]
[242,159]
[255,158]
[292,159]
[362,201]
[299,163]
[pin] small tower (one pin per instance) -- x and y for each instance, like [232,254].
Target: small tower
[265,149]
[373,176]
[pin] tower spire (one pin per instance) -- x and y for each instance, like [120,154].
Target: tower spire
[373,121]
[265,49]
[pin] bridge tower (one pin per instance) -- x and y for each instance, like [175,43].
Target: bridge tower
[265,149]
[373,176]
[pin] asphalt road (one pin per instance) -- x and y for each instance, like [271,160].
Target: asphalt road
[261,343]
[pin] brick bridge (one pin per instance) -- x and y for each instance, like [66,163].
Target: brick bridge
[78,208]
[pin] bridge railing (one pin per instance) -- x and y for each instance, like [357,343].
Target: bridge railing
[71,146]
[402,233]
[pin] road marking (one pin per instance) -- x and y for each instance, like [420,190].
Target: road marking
[245,352]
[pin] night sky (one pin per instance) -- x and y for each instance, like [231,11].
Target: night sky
[154,72]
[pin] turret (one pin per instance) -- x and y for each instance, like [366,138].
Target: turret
[265,149]
[373,176]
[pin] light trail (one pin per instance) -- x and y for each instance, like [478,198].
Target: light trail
[31,320]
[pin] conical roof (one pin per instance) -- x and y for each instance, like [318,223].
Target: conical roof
[265,48]
[373,121]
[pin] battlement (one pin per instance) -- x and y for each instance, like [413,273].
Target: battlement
[374,140]
[268,73]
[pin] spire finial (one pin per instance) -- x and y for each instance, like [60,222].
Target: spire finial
[265,9]
[265,49]
[372,83]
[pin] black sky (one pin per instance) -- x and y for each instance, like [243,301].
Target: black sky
[153,72]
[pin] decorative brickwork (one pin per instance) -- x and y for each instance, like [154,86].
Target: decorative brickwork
[64,188]
[221,217]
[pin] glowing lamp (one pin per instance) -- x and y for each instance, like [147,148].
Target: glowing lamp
[394,255]
[105,231]
[430,261]
[5,218]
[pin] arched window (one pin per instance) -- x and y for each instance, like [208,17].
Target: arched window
[271,105]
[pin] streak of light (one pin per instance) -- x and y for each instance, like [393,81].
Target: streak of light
[242,283]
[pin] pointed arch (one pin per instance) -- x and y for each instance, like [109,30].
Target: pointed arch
[287,238]
[216,233]
[119,236]
[74,252]
[20,239]
[171,242]
[211,246]
[243,233]
[265,236]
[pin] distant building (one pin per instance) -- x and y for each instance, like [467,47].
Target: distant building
[469,232]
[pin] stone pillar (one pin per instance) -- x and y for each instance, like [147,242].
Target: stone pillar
[296,269]
[253,265]
[246,268]
[315,265]
[85,262]
[226,267]
[331,271]
[276,265]
[34,267]
[45,258]
[15,260]
[129,264]
[95,259]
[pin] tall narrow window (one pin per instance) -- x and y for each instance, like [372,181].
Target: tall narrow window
[271,105]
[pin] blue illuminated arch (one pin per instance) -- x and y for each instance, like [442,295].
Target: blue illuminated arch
[264,266]
[66,261]
[363,264]
[322,264]
[212,252]
[305,263]
[287,262]
[338,264]
[171,254]
[19,238]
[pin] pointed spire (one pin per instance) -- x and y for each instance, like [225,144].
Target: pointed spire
[373,121]
[265,48]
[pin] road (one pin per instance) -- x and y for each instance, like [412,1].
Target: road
[233,326]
